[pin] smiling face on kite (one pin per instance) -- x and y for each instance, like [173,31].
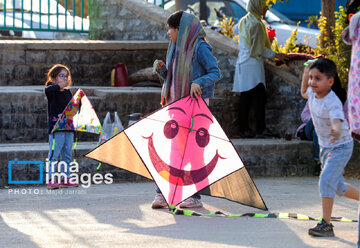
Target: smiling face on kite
[184,148]
[194,137]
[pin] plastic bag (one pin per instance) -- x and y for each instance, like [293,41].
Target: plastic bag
[117,127]
[110,128]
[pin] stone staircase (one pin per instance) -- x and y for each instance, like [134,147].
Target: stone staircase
[24,135]
[23,108]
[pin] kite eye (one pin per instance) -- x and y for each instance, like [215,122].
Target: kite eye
[171,129]
[202,137]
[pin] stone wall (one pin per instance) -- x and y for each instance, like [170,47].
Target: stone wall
[24,109]
[135,19]
[126,20]
[91,62]
[25,62]
[139,20]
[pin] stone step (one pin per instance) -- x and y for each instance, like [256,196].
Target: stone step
[261,157]
[23,110]
[26,62]
[39,152]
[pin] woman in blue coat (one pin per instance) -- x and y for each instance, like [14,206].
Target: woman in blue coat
[190,69]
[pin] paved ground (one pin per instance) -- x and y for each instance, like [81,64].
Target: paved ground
[119,215]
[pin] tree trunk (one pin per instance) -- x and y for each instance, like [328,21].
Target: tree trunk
[177,5]
[328,11]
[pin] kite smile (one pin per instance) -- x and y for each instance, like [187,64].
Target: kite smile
[178,176]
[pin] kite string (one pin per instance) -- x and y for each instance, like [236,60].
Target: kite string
[75,144]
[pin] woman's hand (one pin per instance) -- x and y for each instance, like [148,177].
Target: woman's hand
[282,57]
[195,90]
[158,64]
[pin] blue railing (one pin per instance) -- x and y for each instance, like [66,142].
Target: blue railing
[157,2]
[44,15]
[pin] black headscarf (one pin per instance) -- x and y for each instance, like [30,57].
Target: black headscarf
[352,6]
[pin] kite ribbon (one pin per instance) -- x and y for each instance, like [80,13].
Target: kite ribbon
[52,148]
[75,144]
[177,211]
[99,162]
[192,124]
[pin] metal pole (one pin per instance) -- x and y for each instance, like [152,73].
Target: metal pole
[66,10]
[57,15]
[40,14]
[5,14]
[48,14]
[31,14]
[22,13]
[82,15]
[74,8]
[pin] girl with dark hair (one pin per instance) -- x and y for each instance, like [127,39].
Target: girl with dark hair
[190,69]
[58,95]
[173,20]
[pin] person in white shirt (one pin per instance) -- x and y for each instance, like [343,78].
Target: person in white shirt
[336,144]
[249,77]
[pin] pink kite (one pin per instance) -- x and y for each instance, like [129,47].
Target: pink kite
[184,150]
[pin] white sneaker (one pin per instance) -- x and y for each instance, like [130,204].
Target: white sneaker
[191,202]
[159,201]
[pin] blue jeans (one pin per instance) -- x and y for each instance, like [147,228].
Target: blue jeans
[311,135]
[63,147]
[333,162]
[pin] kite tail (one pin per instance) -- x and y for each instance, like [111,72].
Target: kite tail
[99,162]
[52,148]
[177,211]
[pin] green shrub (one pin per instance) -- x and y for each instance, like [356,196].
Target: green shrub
[334,49]
[226,25]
